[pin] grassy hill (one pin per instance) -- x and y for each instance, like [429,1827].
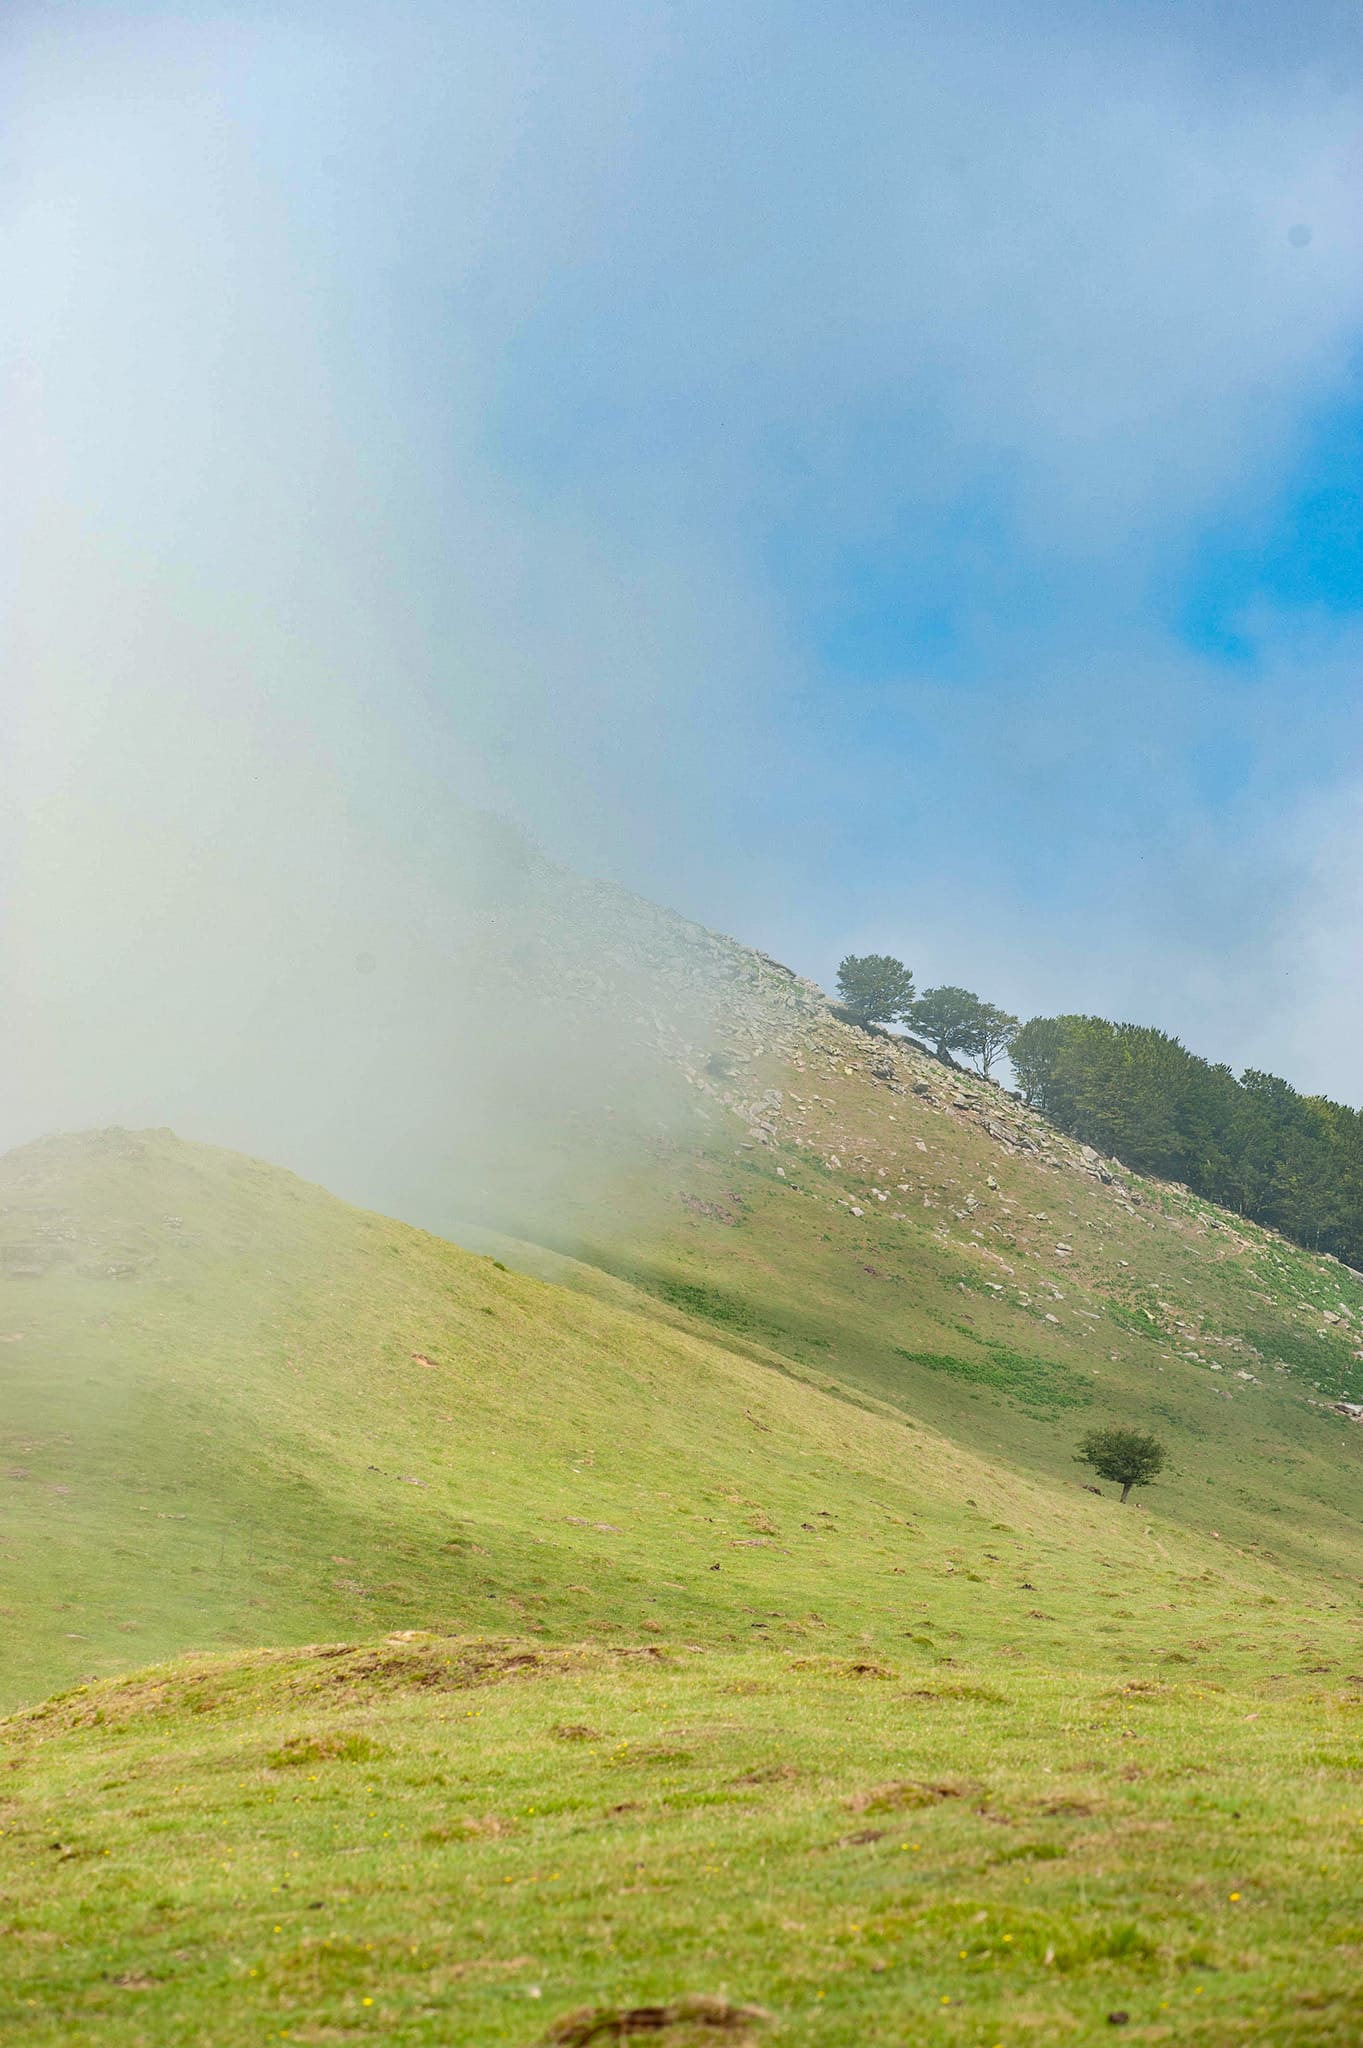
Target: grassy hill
[731,1620]
[921,1237]
[237,1411]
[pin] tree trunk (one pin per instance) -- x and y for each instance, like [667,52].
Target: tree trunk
[1127,1485]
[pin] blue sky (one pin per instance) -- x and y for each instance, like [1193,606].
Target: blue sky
[875,478]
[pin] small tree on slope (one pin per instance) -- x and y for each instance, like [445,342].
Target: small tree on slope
[948,1018]
[875,987]
[1125,1456]
[991,1033]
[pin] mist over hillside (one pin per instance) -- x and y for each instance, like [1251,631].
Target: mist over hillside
[447,1026]
[557,1486]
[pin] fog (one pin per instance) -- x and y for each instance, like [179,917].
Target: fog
[418,415]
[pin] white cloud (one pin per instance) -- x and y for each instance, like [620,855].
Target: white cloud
[1316,986]
[409,395]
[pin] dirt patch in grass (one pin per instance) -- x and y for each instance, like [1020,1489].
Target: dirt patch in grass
[842,1667]
[903,1794]
[441,1667]
[646,1753]
[470,1827]
[949,1694]
[768,1774]
[686,2019]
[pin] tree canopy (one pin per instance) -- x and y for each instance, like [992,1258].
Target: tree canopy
[875,987]
[991,1033]
[948,1018]
[1128,1457]
[1255,1145]
[1294,1162]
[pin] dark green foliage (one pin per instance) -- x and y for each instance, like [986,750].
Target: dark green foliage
[948,1018]
[1294,1162]
[1037,1384]
[990,1035]
[1035,1051]
[875,987]
[708,1302]
[878,989]
[1128,1457]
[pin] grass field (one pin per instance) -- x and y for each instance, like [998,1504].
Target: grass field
[437,1842]
[273,1417]
[921,1238]
[729,1620]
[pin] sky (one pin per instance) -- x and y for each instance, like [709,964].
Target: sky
[876,478]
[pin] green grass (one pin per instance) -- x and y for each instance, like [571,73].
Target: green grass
[739,1564]
[1040,1385]
[952,1303]
[293,1419]
[433,1841]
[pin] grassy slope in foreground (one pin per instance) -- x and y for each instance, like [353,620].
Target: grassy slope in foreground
[434,1842]
[1096,1724]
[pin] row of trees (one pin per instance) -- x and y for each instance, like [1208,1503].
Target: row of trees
[1254,1144]
[877,989]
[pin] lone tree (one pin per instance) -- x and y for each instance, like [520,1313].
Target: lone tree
[1125,1456]
[947,1018]
[991,1034]
[876,988]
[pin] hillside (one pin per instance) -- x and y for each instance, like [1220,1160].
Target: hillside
[669,1108]
[237,1411]
[690,1589]
[651,1637]
[844,1201]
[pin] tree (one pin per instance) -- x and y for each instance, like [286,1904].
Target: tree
[1125,1456]
[991,1034]
[1292,1161]
[947,1017]
[1035,1054]
[876,988]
